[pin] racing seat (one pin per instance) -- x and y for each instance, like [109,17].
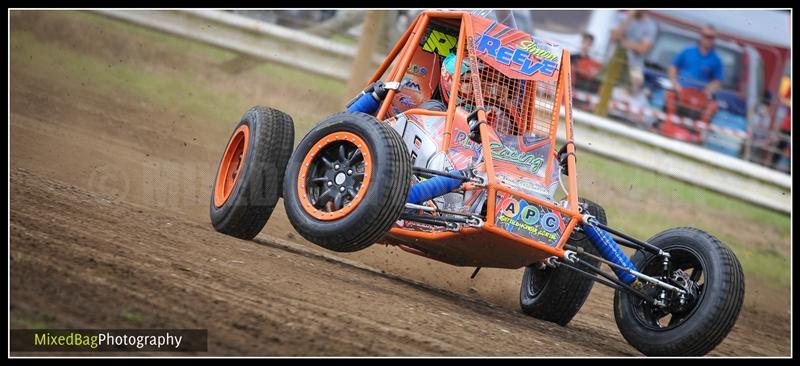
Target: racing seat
[691,103]
[586,72]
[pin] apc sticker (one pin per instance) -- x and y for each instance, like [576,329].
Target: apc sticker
[520,210]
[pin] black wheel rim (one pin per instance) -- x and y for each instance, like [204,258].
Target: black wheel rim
[662,319]
[335,176]
[538,280]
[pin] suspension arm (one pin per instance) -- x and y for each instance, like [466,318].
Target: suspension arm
[432,173]
[645,245]
[606,279]
[637,274]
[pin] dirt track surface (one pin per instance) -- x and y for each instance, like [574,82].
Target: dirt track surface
[109,229]
[261,297]
[255,297]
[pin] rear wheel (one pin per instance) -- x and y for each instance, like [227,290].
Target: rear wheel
[347,182]
[556,294]
[250,174]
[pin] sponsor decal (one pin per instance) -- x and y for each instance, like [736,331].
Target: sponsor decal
[417,70]
[532,48]
[501,152]
[524,184]
[407,83]
[462,139]
[518,215]
[519,59]
[406,101]
[440,42]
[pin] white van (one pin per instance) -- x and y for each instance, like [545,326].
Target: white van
[565,27]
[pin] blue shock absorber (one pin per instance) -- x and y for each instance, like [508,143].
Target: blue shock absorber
[609,249]
[368,100]
[365,103]
[432,188]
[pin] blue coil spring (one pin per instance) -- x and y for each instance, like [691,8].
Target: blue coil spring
[432,188]
[609,249]
[366,103]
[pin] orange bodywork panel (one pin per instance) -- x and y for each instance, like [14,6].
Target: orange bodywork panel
[473,248]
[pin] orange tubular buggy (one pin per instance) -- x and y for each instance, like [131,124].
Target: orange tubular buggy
[453,152]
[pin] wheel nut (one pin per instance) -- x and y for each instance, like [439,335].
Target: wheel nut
[336,166]
[349,171]
[330,183]
[341,189]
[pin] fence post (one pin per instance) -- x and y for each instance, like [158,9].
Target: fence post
[748,142]
[612,75]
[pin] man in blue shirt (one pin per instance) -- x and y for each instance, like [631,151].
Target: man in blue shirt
[698,67]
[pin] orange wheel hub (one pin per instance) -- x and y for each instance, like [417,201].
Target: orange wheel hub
[334,176]
[230,168]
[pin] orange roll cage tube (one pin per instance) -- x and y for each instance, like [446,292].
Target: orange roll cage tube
[490,245]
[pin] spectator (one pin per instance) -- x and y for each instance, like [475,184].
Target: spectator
[760,130]
[635,32]
[785,136]
[698,67]
[585,69]
[586,44]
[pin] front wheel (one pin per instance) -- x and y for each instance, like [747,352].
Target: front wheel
[692,324]
[347,182]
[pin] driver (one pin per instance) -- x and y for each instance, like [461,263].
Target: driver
[497,96]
